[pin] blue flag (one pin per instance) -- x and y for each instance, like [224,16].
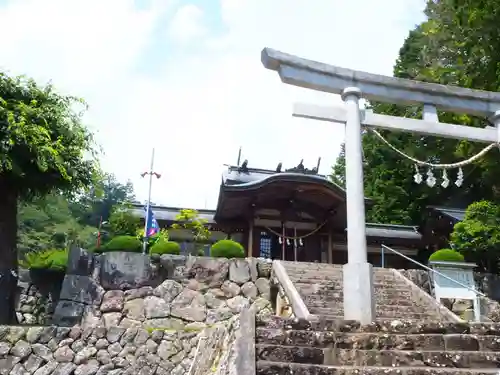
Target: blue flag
[152,225]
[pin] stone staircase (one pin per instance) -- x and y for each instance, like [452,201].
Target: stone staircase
[321,288]
[334,347]
[412,334]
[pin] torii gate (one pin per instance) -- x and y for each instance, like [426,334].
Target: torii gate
[359,303]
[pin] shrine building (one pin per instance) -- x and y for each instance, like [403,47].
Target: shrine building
[291,214]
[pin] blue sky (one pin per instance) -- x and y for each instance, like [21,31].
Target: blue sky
[160,51]
[185,77]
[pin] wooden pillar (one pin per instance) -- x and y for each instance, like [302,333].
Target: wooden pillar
[283,241]
[250,239]
[330,246]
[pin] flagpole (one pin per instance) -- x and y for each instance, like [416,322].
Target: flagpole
[148,205]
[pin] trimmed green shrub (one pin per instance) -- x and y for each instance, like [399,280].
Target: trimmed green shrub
[227,249]
[446,255]
[165,247]
[201,252]
[162,235]
[123,243]
[54,260]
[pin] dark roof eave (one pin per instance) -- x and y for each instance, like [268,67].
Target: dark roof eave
[288,177]
[220,199]
[392,231]
[453,213]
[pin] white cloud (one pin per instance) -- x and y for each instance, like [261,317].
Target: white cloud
[187,24]
[82,45]
[214,96]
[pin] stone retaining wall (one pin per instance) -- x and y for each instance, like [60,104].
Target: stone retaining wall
[38,295]
[169,292]
[99,350]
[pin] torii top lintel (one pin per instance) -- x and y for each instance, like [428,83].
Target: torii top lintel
[318,76]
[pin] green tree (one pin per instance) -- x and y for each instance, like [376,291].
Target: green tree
[44,147]
[123,222]
[436,51]
[338,170]
[99,202]
[477,237]
[48,222]
[190,219]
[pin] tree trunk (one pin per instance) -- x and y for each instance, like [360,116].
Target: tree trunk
[8,253]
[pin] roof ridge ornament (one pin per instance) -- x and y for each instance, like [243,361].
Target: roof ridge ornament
[301,169]
[244,167]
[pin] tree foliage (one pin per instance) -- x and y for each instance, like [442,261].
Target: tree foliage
[48,222]
[101,200]
[43,143]
[58,220]
[123,222]
[190,219]
[54,260]
[477,237]
[44,148]
[457,45]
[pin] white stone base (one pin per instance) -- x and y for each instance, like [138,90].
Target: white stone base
[359,299]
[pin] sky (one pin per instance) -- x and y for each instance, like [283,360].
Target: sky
[185,78]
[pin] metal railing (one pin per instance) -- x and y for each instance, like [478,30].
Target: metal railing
[195,357]
[435,272]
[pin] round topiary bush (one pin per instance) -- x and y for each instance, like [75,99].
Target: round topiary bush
[446,255]
[165,247]
[227,249]
[123,243]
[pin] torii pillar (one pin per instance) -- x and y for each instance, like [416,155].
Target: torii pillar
[359,302]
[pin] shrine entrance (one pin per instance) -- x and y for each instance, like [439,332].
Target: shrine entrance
[293,247]
[288,214]
[359,302]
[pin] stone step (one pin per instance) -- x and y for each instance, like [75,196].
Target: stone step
[304,266]
[335,272]
[367,341]
[385,320]
[380,294]
[308,266]
[336,300]
[401,309]
[333,290]
[339,286]
[338,309]
[384,358]
[404,305]
[319,301]
[378,314]
[338,279]
[306,290]
[280,368]
[398,326]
